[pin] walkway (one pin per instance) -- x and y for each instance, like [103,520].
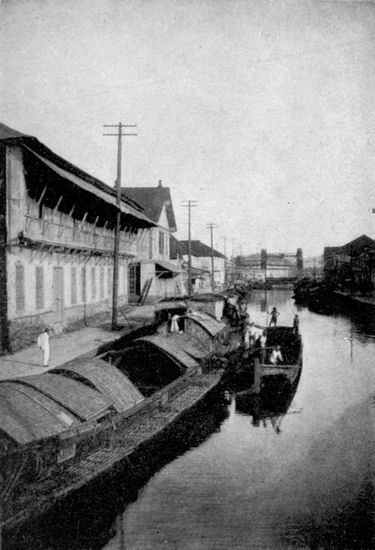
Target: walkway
[84,342]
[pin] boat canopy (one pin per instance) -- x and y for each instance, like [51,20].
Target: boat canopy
[28,415]
[171,347]
[106,379]
[84,402]
[210,324]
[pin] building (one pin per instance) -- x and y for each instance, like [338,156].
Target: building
[268,266]
[57,236]
[351,266]
[201,264]
[155,276]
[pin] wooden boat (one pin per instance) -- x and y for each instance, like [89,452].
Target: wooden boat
[251,369]
[62,429]
[270,405]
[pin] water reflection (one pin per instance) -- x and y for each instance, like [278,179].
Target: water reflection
[269,407]
[304,485]
[236,485]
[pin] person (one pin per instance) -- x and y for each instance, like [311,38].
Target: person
[274,315]
[174,323]
[252,334]
[262,346]
[276,357]
[296,325]
[43,344]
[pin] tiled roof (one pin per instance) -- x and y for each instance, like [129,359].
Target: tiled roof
[152,200]
[198,249]
[10,136]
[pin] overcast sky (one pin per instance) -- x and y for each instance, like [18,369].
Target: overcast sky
[262,111]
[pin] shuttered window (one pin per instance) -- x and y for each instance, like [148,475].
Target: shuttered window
[102,282]
[93,283]
[83,285]
[109,281]
[39,287]
[161,242]
[20,288]
[73,285]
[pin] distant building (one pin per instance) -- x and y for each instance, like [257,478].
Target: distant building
[154,273]
[57,235]
[201,257]
[352,265]
[268,266]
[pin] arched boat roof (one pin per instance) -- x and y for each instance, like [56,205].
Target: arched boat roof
[107,379]
[86,403]
[208,323]
[28,415]
[171,347]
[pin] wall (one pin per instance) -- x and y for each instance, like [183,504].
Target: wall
[87,307]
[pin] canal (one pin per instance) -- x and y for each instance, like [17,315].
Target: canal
[301,480]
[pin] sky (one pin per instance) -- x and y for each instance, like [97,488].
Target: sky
[262,111]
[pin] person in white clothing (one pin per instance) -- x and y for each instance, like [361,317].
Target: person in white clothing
[43,344]
[276,356]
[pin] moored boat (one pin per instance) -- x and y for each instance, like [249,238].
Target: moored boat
[63,429]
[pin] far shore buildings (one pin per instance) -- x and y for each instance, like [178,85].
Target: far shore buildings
[352,265]
[270,266]
[57,237]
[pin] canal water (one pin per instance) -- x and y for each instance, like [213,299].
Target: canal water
[302,480]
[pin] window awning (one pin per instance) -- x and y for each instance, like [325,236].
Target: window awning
[110,199]
[167,266]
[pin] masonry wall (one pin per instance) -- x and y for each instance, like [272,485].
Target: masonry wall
[86,294]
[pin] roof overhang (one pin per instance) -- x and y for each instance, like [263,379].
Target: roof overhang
[109,199]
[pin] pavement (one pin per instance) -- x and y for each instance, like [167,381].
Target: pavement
[84,342]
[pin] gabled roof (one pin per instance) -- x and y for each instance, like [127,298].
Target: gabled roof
[353,247]
[198,249]
[9,136]
[152,200]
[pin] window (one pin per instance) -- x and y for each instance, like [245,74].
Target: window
[73,285]
[161,242]
[134,281]
[102,282]
[20,288]
[93,283]
[83,285]
[109,281]
[39,287]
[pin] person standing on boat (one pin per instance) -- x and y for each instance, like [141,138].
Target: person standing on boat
[274,315]
[276,357]
[262,346]
[43,344]
[296,325]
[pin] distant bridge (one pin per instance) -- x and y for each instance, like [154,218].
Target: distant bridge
[270,266]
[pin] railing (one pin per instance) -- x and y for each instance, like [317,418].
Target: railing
[61,228]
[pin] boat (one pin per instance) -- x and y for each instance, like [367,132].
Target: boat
[270,406]
[254,370]
[63,429]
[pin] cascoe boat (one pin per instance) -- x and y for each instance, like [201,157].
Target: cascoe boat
[62,429]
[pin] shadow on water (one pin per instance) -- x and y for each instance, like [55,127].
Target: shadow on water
[87,520]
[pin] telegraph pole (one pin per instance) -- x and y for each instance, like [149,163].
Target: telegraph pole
[116,251]
[189,205]
[211,226]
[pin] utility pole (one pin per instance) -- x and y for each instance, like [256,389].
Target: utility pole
[189,205]
[116,251]
[211,226]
